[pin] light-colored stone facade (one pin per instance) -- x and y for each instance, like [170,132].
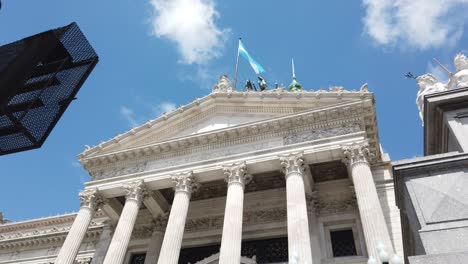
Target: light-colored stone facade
[281,165]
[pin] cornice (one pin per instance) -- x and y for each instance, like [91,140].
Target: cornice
[360,112]
[334,94]
[38,238]
[42,222]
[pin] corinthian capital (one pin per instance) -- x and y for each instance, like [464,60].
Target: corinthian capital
[135,190]
[185,182]
[237,173]
[90,198]
[292,163]
[358,152]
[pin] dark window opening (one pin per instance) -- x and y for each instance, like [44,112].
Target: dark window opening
[138,258]
[343,243]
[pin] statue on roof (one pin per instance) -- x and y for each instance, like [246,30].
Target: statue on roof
[249,86]
[262,83]
[460,78]
[223,85]
[428,84]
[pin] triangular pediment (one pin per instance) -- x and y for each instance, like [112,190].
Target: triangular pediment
[219,111]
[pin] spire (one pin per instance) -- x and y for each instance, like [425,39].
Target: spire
[294,86]
[293,71]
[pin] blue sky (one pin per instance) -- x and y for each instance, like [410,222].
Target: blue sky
[158,54]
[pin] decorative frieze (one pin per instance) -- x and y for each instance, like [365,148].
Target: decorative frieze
[326,207]
[294,138]
[260,216]
[39,238]
[292,163]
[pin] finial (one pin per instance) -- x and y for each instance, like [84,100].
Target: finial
[294,86]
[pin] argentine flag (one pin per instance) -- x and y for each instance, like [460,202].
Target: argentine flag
[255,65]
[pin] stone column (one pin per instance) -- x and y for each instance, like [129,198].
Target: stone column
[298,227]
[89,201]
[313,202]
[232,228]
[135,193]
[373,221]
[154,247]
[170,249]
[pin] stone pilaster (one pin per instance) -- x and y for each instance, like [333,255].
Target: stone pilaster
[172,242]
[135,193]
[372,217]
[236,178]
[299,248]
[89,202]
[154,247]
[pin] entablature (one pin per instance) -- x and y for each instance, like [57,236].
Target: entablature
[282,131]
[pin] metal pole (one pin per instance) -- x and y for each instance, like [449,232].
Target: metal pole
[237,65]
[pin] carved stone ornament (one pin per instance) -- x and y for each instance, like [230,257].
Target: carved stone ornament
[355,153]
[135,190]
[237,173]
[294,138]
[292,163]
[90,198]
[185,182]
[428,84]
[324,207]
[254,217]
[223,85]
[86,260]
[160,222]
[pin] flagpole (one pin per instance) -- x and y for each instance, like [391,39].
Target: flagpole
[237,65]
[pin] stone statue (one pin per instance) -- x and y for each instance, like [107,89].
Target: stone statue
[249,86]
[262,84]
[428,84]
[364,88]
[223,85]
[460,78]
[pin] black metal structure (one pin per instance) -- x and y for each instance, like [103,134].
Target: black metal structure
[39,77]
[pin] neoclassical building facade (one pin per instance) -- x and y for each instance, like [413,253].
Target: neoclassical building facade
[275,176]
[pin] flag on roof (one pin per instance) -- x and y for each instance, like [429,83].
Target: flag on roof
[255,65]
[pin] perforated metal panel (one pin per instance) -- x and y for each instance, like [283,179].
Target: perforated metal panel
[39,77]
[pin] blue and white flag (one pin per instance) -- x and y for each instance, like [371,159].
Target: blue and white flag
[255,65]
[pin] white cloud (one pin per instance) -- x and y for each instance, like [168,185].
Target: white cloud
[191,25]
[128,115]
[164,107]
[419,24]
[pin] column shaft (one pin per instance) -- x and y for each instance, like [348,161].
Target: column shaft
[299,248]
[372,217]
[172,242]
[74,238]
[123,231]
[89,200]
[232,227]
